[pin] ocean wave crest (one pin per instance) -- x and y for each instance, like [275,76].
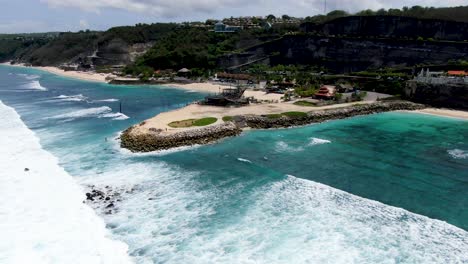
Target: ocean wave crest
[244,160]
[29,76]
[458,153]
[35,85]
[318,141]
[115,116]
[98,112]
[282,146]
[72,98]
[107,100]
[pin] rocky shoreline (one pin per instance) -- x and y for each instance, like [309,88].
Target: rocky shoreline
[155,140]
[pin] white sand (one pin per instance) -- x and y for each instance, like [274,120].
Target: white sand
[444,112]
[87,76]
[196,111]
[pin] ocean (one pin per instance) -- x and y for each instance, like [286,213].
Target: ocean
[384,188]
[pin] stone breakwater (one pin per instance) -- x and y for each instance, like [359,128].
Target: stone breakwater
[158,140]
[153,140]
[264,122]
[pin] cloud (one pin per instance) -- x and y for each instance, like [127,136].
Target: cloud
[184,8]
[84,24]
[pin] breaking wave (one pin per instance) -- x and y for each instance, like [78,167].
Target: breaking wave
[43,214]
[72,98]
[29,76]
[458,153]
[244,160]
[115,116]
[98,112]
[282,146]
[318,141]
[35,85]
[107,100]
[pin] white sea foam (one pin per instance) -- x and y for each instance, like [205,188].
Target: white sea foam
[299,221]
[244,160]
[115,116]
[83,113]
[98,112]
[282,146]
[458,153]
[107,100]
[172,218]
[34,85]
[318,141]
[29,76]
[43,218]
[72,98]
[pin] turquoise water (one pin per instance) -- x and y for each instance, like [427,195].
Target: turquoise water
[329,192]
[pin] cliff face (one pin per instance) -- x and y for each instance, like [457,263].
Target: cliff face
[391,27]
[439,95]
[347,54]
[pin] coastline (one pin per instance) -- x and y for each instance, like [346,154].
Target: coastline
[84,76]
[443,112]
[153,134]
[209,87]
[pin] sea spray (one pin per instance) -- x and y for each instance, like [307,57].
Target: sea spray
[43,215]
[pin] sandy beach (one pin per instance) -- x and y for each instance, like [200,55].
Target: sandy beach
[87,76]
[195,111]
[444,112]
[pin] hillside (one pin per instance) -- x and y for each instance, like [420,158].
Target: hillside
[337,42]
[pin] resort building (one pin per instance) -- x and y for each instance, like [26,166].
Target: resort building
[326,92]
[220,27]
[451,77]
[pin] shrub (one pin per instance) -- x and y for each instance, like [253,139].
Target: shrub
[273,116]
[305,103]
[294,114]
[227,118]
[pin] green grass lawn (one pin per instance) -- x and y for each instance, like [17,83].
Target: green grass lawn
[193,122]
[227,118]
[305,103]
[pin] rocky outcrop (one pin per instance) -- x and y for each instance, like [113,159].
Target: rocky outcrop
[390,27]
[263,122]
[153,140]
[158,140]
[343,54]
[438,95]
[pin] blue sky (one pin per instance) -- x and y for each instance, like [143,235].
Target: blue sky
[72,15]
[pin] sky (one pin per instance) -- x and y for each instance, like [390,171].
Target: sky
[24,16]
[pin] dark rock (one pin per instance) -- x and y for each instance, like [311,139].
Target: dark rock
[110,205]
[26,169]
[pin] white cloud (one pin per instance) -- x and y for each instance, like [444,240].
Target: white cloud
[187,8]
[84,24]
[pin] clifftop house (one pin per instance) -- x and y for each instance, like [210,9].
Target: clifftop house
[220,27]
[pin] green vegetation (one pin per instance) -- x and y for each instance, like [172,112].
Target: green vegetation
[295,114]
[205,121]
[227,118]
[305,103]
[193,122]
[273,116]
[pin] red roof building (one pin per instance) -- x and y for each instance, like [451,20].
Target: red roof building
[457,73]
[326,92]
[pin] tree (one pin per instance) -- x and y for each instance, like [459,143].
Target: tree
[270,17]
[285,17]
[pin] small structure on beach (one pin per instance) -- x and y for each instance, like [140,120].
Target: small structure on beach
[184,72]
[326,92]
[227,97]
